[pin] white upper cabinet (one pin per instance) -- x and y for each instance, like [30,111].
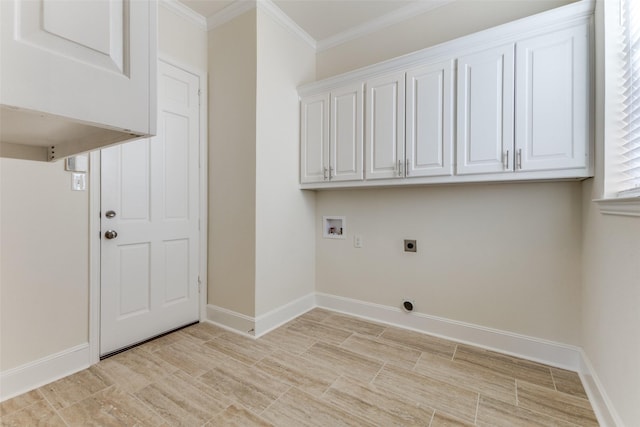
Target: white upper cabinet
[485,111]
[552,105]
[384,127]
[510,103]
[345,146]
[429,120]
[331,135]
[76,75]
[314,138]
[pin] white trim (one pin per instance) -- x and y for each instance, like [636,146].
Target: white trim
[185,12]
[239,7]
[230,12]
[531,348]
[279,316]
[32,375]
[381,22]
[204,194]
[231,320]
[600,402]
[626,206]
[563,17]
[271,9]
[255,327]
[94,256]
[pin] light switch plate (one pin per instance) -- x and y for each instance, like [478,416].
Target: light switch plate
[78,181]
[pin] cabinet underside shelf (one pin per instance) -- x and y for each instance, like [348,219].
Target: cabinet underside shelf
[45,137]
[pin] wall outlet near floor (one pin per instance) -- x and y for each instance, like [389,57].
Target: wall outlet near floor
[357,241]
[410,245]
[407,305]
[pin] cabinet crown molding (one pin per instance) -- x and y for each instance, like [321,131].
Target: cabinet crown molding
[511,32]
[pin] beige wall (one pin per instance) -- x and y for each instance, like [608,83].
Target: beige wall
[448,22]
[611,267]
[43,260]
[44,264]
[611,304]
[232,164]
[181,41]
[505,256]
[285,255]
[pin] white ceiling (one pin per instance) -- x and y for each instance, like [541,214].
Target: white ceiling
[324,20]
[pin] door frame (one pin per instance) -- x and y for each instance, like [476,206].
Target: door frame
[94,216]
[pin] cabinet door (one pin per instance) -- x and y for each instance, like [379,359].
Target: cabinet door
[314,138]
[384,131]
[429,123]
[92,61]
[485,111]
[552,104]
[345,148]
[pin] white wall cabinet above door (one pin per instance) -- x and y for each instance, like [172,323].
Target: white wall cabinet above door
[331,135]
[552,108]
[384,127]
[485,111]
[429,120]
[77,74]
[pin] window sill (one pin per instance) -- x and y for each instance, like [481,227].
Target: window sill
[627,206]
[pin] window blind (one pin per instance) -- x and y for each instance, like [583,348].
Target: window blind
[631,93]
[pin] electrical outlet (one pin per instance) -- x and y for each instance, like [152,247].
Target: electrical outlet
[357,241]
[411,245]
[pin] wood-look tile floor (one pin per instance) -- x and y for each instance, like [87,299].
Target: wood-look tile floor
[321,369]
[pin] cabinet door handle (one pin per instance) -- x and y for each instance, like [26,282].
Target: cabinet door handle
[519,166]
[398,172]
[506,160]
[406,167]
[330,172]
[324,173]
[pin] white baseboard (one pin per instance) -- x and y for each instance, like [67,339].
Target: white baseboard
[232,320]
[258,326]
[43,371]
[602,406]
[548,352]
[281,315]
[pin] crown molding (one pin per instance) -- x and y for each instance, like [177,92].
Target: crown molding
[230,12]
[271,9]
[180,9]
[239,7]
[395,17]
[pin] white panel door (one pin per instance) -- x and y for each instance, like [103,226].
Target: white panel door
[345,148]
[88,60]
[314,138]
[485,111]
[149,271]
[552,108]
[429,129]
[384,129]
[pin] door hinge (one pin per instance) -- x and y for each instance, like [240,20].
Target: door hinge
[199,285]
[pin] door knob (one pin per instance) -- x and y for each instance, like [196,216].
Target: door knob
[110,234]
